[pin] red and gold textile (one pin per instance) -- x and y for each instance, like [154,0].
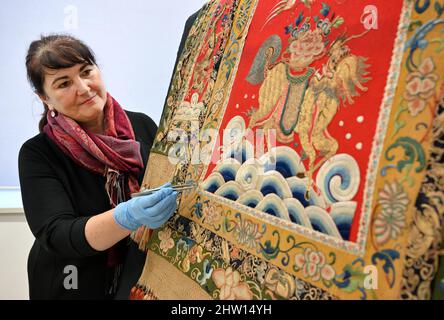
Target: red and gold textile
[309,127]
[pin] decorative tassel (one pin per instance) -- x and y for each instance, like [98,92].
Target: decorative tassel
[115,280]
[115,186]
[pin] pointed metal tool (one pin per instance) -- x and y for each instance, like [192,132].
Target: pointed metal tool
[178,188]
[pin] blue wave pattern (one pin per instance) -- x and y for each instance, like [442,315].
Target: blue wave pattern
[275,184]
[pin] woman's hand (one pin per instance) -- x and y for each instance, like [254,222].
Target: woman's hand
[152,210]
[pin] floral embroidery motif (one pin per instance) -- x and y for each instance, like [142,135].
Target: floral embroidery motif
[199,261]
[420,86]
[211,213]
[195,255]
[314,265]
[280,283]
[391,220]
[166,241]
[247,233]
[231,288]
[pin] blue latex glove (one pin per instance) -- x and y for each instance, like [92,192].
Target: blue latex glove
[151,211]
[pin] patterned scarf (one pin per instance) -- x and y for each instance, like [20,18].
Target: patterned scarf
[112,154]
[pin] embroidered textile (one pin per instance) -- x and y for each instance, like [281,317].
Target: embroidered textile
[311,127]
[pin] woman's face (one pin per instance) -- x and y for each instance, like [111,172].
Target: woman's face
[77,92]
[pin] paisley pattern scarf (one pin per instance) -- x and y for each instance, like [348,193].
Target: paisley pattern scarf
[111,154]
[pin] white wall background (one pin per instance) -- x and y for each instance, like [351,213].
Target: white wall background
[135,43]
[15,242]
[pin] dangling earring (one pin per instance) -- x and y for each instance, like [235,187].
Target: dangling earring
[53,114]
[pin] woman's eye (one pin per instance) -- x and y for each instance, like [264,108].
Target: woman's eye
[64,84]
[87,72]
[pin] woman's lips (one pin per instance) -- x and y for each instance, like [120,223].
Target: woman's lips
[89,100]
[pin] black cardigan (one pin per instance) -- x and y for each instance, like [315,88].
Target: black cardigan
[59,197]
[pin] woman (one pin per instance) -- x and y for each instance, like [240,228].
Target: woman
[77,175]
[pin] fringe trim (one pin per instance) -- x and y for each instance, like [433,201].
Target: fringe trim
[139,292]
